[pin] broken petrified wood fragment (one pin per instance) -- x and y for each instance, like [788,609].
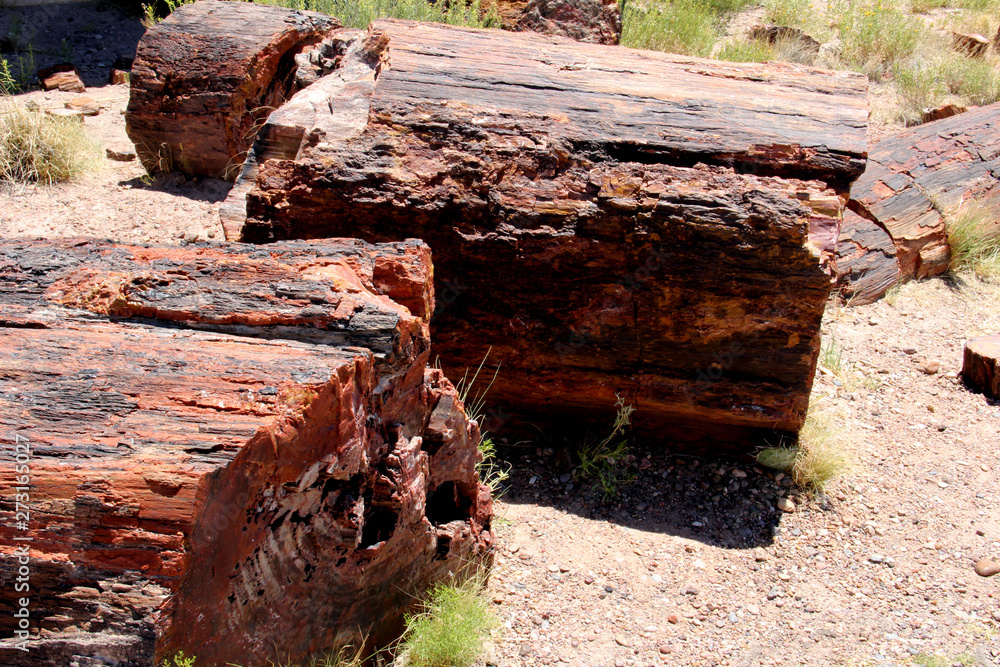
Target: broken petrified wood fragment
[608,221]
[981,365]
[866,260]
[918,177]
[206,77]
[219,432]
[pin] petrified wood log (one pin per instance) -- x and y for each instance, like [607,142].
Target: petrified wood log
[217,433]
[866,260]
[609,221]
[915,175]
[981,365]
[594,21]
[206,77]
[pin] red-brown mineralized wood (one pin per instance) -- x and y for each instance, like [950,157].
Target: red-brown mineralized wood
[981,365]
[866,260]
[206,77]
[914,176]
[220,431]
[608,221]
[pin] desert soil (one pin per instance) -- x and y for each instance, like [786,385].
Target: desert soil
[692,564]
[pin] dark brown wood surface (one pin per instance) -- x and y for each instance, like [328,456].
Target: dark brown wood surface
[866,260]
[192,413]
[981,365]
[207,76]
[607,221]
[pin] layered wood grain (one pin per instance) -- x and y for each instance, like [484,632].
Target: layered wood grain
[216,432]
[918,177]
[607,221]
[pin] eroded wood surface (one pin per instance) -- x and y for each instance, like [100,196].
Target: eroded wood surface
[608,221]
[217,430]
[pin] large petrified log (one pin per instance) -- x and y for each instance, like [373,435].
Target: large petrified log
[608,221]
[916,177]
[217,433]
[981,365]
[206,77]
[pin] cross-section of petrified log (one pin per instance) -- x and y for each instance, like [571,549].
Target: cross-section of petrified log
[205,78]
[217,433]
[914,176]
[609,221]
[981,365]
[866,260]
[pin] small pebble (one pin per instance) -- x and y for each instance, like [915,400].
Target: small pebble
[987,567]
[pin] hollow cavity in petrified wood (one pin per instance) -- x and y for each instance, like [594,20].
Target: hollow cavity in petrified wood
[609,221]
[207,76]
[311,462]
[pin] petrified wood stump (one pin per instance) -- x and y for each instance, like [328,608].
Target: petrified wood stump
[608,221]
[981,365]
[914,176]
[218,433]
[206,77]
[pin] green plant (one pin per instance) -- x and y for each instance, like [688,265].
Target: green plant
[451,628]
[7,84]
[831,355]
[746,51]
[492,472]
[876,34]
[974,239]
[823,455]
[820,455]
[360,13]
[605,459]
[179,660]
[35,148]
[796,14]
[688,27]
[926,6]
[940,661]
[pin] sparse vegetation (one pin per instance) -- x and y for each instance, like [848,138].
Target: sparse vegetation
[451,628]
[180,660]
[36,148]
[604,460]
[831,355]
[820,456]
[941,661]
[875,34]
[492,472]
[360,13]
[688,27]
[974,238]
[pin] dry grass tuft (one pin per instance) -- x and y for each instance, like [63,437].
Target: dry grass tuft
[974,238]
[35,148]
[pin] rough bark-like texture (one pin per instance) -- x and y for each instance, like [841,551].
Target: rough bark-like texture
[866,260]
[914,175]
[591,215]
[981,365]
[220,432]
[206,77]
[593,21]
